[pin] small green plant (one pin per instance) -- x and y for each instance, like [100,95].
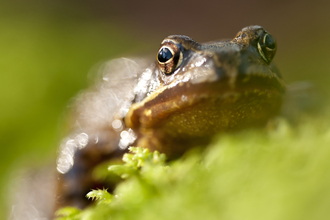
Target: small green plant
[142,167]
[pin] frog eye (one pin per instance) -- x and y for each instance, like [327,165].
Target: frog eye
[267,47]
[169,58]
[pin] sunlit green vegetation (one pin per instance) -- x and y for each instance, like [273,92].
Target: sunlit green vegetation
[278,174]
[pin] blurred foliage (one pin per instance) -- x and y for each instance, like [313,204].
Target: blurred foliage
[276,174]
[44,62]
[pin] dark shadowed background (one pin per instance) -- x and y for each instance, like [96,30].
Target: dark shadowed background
[48,47]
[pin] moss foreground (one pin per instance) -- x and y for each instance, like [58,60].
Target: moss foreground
[278,174]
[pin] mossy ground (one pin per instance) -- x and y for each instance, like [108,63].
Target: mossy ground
[261,174]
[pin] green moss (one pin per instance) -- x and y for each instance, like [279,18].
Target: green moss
[278,174]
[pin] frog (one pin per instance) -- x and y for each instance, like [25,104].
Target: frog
[181,100]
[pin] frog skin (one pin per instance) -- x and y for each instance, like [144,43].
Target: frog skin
[189,94]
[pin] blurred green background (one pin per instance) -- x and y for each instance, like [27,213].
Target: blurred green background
[49,47]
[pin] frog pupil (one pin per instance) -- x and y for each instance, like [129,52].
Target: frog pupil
[164,55]
[269,42]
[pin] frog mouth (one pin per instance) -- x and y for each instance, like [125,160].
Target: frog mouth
[170,100]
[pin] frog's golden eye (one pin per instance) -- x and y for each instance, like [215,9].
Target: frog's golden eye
[267,47]
[169,57]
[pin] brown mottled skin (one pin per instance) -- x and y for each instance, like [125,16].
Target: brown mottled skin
[205,89]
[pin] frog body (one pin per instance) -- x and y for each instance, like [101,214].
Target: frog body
[189,94]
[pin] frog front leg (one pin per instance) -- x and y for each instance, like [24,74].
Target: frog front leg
[76,164]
